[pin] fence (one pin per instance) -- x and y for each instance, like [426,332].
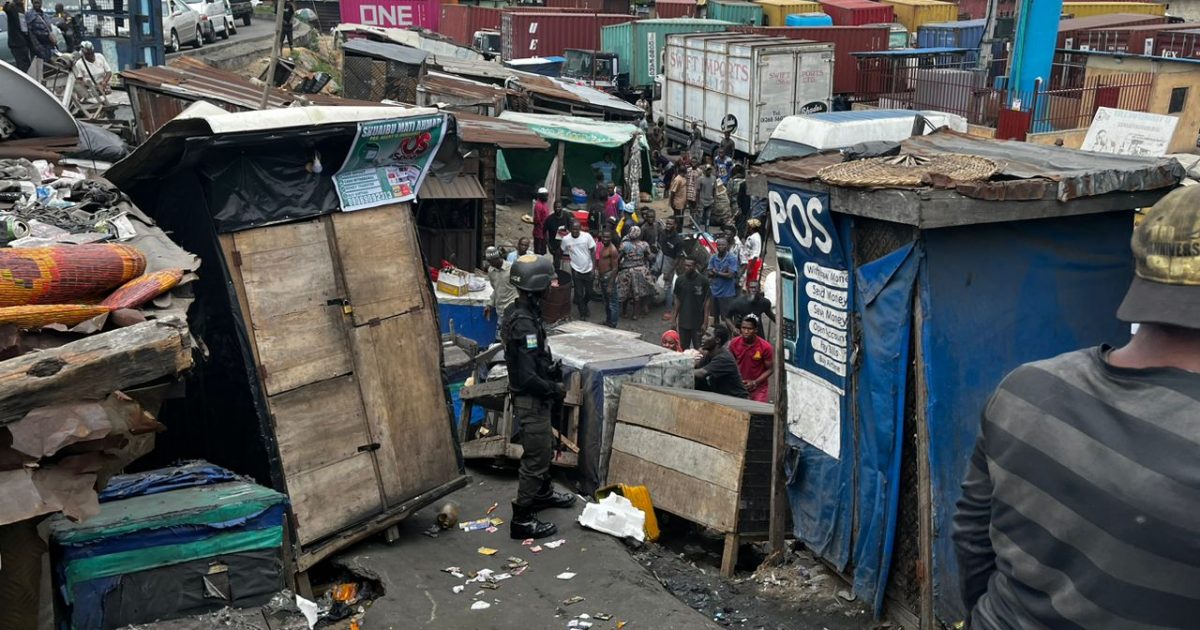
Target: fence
[954,85]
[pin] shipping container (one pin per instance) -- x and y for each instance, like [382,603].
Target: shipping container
[914,13]
[857,12]
[735,11]
[1135,40]
[808,19]
[1070,30]
[666,9]
[775,12]
[964,34]
[1089,9]
[545,34]
[1178,44]
[744,82]
[460,22]
[977,9]
[846,41]
[639,45]
[392,13]
[599,6]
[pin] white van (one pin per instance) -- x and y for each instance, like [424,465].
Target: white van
[798,136]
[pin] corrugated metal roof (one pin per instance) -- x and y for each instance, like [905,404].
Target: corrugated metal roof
[461,187]
[385,51]
[450,85]
[569,91]
[1027,171]
[477,129]
[194,80]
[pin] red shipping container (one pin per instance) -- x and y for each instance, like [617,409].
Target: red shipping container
[977,9]
[1070,30]
[857,12]
[846,40]
[599,6]
[1136,40]
[460,22]
[545,34]
[675,8]
[1185,44]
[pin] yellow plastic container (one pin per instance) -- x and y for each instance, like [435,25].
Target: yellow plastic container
[639,496]
[1087,9]
[914,13]
[775,12]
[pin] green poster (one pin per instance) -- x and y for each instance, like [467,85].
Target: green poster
[388,161]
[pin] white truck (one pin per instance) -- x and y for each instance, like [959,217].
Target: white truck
[742,82]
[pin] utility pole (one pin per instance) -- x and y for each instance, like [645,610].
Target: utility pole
[278,43]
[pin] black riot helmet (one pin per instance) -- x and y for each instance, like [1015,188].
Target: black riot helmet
[531,273]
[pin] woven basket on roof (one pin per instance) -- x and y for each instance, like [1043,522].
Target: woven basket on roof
[908,170]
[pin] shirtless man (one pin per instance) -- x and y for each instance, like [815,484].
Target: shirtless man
[606,266]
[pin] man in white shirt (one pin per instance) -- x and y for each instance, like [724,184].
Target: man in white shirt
[521,250]
[92,69]
[581,248]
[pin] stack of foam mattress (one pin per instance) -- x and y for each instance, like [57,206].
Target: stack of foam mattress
[169,543]
[605,362]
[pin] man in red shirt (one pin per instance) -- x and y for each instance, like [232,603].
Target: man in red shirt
[755,357]
[541,212]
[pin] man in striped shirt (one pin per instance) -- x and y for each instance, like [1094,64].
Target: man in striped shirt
[1081,504]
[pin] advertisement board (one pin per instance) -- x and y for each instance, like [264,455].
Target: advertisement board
[388,161]
[1124,132]
[814,300]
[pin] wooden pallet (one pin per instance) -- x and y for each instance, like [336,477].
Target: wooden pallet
[494,397]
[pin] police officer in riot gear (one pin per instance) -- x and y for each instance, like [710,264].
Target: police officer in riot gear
[535,381]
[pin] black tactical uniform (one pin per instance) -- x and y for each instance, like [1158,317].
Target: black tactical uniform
[535,383]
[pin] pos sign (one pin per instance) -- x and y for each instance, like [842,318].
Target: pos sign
[814,301]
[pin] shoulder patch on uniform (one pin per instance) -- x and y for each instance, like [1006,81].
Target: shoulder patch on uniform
[531,342]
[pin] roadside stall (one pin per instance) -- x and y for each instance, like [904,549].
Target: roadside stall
[579,143]
[323,373]
[909,286]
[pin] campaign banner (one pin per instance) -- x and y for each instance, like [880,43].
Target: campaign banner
[388,161]
[814,297]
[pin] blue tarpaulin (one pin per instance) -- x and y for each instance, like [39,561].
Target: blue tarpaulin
[816,298]
[995,296]
[885,290]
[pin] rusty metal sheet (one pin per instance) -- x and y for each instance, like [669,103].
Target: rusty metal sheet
[476,129]
[450,85]
[1077,173]
[1027,171]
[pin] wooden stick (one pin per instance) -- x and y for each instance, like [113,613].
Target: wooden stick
[93,367]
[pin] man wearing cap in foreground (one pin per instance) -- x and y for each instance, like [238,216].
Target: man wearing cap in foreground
[1080,504]
[503,292]
[535,382]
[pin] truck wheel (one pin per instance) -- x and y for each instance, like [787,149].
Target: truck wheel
[246,19]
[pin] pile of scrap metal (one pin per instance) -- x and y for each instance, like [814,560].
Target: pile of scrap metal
[93,335]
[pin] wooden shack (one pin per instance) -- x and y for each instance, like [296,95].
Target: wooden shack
[323,378]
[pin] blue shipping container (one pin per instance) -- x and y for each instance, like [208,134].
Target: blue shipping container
[965,34]
[808,19]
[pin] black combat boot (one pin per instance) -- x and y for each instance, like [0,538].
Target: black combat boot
[525,524]
[548,498]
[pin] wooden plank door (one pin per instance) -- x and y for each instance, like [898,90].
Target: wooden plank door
[289,290]
[397,350]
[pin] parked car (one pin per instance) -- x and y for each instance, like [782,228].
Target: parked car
[230,20]
[181,25]
[212,18]
[243,10]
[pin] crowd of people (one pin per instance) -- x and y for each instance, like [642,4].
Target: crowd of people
[702,261]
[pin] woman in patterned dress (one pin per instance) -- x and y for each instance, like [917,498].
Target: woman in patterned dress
[633,276]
